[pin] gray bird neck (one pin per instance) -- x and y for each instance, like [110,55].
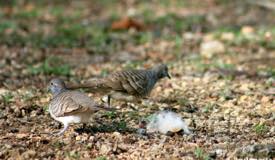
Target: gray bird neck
[59,92]
[155,74]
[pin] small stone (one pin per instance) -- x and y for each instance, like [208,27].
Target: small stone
[77,138]
[227,36]
[92,138]
[45,99]
[89,145]
[265,99]
[272,129]
[141,131]
[21,135]
[104,149]
[268,35]
[247,30]
[219,152]
[176,129]
[29,154]
[116,134]
[209,48]
[244,98]
[8,146]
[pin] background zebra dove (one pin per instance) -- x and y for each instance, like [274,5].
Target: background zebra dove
[69,106]
[127,85]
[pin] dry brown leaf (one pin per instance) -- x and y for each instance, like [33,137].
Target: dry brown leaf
[127,23]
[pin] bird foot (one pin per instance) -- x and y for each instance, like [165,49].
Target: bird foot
[62,131]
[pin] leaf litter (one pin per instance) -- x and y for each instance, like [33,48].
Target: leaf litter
[225,96]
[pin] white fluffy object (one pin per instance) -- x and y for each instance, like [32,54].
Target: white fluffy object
[165,121]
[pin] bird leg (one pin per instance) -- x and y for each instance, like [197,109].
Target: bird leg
[66,126]
[109,100]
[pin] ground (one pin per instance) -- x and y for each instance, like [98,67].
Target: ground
[220,54]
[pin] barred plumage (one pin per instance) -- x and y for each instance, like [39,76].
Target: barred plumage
[70,106]
[137,83]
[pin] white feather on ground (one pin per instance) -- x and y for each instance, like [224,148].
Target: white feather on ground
[165,121]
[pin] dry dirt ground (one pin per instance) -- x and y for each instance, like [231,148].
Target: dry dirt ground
[221,56]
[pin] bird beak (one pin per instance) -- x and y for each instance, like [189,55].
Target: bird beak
[168,75]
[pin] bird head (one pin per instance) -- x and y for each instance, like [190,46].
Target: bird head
[56,86]
[162,71]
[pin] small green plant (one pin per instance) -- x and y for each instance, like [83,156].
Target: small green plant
[110,114]
[28,96]
[73,155]
[269,72]
[209,107]
[200,154]
[133,114]
[260,128]
[51,65]
[104,72]
[132,64]
[222,65]
[58,144]
[143,38]
[7,25]
[46,109]
[34,13]
[183,101]
[226,94]
[101,158]
[7,98]
[122,126]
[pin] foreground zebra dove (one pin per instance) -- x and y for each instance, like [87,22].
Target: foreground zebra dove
[69,106]
[127,85]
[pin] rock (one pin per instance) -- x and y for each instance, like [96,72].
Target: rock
[256,150]
[265,99]
[90,145]
[104,149]
[8,146]
[272,130]
[219,152]
[117,134]
[141,131]
[78,138]
[227,36]
[29,154]
[21,135]
[247,30]
[209,48]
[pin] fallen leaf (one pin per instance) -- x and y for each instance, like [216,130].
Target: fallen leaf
[127,23]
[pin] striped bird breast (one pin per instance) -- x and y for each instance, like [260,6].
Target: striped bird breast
[143,82]
[59,105]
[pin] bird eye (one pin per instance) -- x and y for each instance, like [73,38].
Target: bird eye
[51,83]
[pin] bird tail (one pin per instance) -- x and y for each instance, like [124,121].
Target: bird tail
[94,85]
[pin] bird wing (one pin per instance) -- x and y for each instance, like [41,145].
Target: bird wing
[72,102]
[133,82]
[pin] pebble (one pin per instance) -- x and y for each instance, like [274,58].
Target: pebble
[210,48]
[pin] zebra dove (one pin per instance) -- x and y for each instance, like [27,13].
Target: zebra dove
[127,85]
[70,106]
